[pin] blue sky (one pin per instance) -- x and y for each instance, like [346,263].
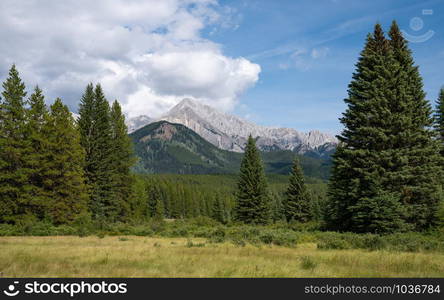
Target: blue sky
[278,63]
[307,51]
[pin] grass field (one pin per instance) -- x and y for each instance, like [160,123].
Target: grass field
[132,256]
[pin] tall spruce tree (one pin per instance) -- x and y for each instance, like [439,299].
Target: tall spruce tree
[15,200]
[122,161]
[417,172]
[253,203]
[86,125]
[379,174]
[39,160]
[355,176]
[439,119]
[104,190]
[66,180]
[297,204]
[96,138]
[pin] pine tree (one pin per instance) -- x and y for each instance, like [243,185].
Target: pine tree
[417,172]
[218,211]
[297,206]
[439,119]
[253,203]
[85,123]
[15,200]
[160,210]
[153,194]
[155,202]
[355,174]
[65,180]
[122,160]
[386,150]
[39,159]
[96,138]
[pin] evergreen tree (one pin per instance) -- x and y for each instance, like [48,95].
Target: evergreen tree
[86,127]
[39,159]
[218,211]
[96,138]
[439,119]
[277,206]
[155,202]
[154,199]
[416,172]
[297,206]
[386,150]
[122,159]
[160,210]
[253,203]
[65,180]
[15,200]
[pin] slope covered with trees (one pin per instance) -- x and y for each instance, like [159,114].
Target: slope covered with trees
[164,147]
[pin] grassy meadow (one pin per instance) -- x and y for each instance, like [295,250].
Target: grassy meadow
[141,256]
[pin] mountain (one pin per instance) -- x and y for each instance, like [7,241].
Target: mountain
[164,147]
[229,132]
[138,122]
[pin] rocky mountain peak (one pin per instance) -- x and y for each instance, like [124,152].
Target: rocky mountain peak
[230,132]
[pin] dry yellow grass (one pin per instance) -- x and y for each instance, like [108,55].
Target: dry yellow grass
[132,256]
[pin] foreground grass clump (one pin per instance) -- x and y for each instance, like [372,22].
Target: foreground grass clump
[135,256]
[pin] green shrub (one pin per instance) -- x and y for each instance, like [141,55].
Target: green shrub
[238,242]
[333,242]
[374,242]
[203,221]
[308,263]
[266,237]
[217,235]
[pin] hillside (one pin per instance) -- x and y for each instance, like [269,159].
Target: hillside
[164,147]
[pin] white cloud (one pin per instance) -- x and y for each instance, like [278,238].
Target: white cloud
[319,52]
[149,54]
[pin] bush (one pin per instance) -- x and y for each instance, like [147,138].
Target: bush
[266,237]
[203,221]
[238,242]
[374,242]
[308,263]
[333,242]
[217,235]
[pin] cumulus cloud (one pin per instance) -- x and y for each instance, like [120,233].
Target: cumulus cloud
[149,54]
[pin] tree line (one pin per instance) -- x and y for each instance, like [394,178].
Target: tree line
[388,168]
[58,169]
[55,169]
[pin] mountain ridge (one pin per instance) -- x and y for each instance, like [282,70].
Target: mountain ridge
[164,147]
[229,132]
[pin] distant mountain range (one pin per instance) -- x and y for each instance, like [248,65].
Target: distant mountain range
[229,132]
[164,147]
